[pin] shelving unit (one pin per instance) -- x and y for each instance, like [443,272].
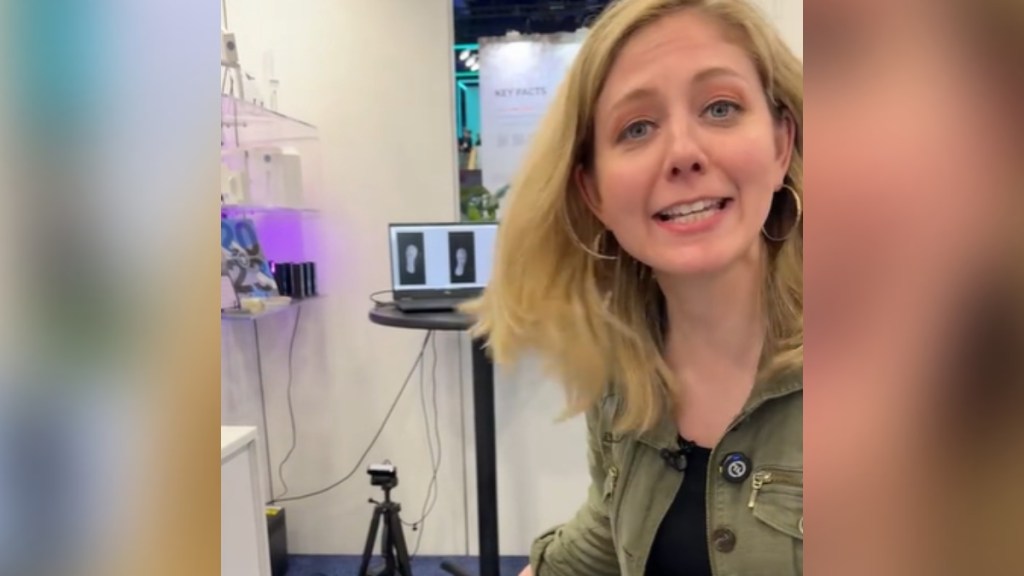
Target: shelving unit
[270,311]
[258,209]
[249,131]
[245,125]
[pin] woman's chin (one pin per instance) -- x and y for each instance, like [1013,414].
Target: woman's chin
[692,263]
[705,259]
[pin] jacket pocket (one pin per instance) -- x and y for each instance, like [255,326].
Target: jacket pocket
[777,502]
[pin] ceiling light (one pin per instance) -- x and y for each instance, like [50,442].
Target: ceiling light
[472,60]
[464,55]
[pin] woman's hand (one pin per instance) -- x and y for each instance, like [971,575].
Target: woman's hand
[527,571]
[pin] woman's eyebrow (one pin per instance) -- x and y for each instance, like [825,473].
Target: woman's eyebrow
[644,94]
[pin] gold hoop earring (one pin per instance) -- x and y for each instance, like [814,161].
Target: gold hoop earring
[594,251]
[598,240]
[597,244]
[796,221]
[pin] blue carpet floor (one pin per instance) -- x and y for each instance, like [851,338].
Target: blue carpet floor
[421,565]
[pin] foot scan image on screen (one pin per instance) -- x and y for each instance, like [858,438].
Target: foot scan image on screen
[411,252]
[410,256]
[462,257]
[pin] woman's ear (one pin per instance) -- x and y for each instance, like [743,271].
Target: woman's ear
[785,138]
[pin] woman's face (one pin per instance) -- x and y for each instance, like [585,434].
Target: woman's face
[411,252]
[460,256]
[687,152]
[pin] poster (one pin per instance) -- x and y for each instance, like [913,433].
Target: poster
[519,76]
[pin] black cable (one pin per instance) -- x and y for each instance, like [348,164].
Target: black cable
[430,501]
[437,425]
[426,424]
[387,417]
[379,303]
[291,409]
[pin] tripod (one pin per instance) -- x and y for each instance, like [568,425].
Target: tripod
[393,548]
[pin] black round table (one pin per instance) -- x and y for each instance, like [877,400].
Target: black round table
[388,315]
[483,418]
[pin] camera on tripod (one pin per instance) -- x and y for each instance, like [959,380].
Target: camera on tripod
[387,520]
[386,523]
[384,475]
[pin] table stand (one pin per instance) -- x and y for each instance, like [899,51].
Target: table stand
[483,420]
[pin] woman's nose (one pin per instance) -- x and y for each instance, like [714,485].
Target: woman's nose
[684,155]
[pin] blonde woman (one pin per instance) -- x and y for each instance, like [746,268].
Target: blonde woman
[652,254]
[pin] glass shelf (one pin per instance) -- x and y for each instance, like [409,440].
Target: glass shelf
[234,111]
[269,311]
[245,125]
[253,209]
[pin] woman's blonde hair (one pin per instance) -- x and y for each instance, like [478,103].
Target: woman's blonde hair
[599,322]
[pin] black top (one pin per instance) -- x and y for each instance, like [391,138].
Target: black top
[388,315]
[681,544]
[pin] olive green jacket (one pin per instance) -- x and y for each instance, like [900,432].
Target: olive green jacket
[755,528]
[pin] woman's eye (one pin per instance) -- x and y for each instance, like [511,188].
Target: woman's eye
[721,109]
[637,130]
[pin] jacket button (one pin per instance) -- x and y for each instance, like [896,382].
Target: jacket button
[723,539]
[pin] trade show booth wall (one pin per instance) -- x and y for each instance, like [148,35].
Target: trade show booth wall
[375,78]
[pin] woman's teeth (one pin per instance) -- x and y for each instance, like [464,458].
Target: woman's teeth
[693,212]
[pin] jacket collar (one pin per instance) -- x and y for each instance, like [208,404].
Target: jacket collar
[780,385]
[664,434]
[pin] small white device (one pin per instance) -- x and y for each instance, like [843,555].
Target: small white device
[228,49]
[234,187]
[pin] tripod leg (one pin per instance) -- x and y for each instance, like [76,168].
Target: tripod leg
[371,538]
[404,562]
[387,549]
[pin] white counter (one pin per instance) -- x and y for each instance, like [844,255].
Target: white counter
[235,438]
[244,546]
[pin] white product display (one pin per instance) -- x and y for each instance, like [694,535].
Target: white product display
[273,83]
[252,88]
[244,543]
[276,177]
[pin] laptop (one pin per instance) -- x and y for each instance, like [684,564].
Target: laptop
[436,267]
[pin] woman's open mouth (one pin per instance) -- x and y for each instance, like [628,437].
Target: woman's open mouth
[690,212]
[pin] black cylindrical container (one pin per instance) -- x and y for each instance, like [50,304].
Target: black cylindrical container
[307,276]
[283,275]
[298,282]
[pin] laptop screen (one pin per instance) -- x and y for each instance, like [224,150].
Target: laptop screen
[441,257]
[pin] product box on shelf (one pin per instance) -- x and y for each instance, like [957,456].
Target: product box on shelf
[243,261]
[276,176]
